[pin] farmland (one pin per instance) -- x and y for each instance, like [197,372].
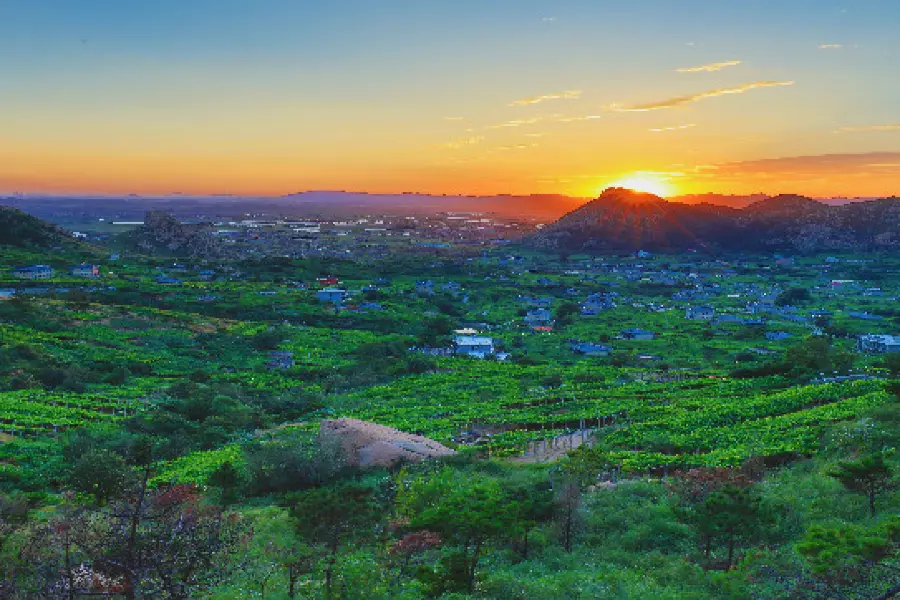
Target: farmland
[215,365]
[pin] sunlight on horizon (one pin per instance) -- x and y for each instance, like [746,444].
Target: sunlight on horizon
[644,183]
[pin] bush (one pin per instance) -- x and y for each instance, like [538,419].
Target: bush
[269,339]
[292,463]
[793,297]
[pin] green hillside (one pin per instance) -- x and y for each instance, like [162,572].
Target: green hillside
[21,230]
[712,461]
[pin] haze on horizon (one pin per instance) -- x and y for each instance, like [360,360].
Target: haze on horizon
[510,96]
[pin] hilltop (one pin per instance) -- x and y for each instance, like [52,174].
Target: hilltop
[162,234]
[21,230]
[623,220]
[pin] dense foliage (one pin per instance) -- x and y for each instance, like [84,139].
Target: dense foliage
[161,440]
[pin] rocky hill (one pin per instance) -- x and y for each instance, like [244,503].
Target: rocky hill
[22,230]
[162,234]
[621,220]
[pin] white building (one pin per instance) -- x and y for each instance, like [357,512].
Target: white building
[878,343]
[466,331]
[33,272]
[478,347]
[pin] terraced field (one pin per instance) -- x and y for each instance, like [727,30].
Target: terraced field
[709,421]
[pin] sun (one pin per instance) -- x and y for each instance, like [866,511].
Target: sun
[645,183]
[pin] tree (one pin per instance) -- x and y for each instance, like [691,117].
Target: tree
[467,512]
[853,556]
[412,545]
[869,476]
[326,517]
[100,473]
[586,464]
[167,540]
[535,504]
[793,296]
[891,362]
[280,552]
[13,516]
[52,553]
[733,515]
[696,485]
[13,519]
[568,514]
[565,313]
[435,328]
[815,354]
[269,339]
[292,462]
[229,480]
[169,544]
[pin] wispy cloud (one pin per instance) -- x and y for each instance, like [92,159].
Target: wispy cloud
[535,135]
[454,118]
[868,128]
[674,128]
[516,147]
[461,143]
[682,100]
[803,168]
[523,122]
[584,118]
[548,19]
[710,67]
[567,95]
[515,123]
[830,46]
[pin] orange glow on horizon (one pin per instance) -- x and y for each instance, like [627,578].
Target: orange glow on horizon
[59,171]
[649,184]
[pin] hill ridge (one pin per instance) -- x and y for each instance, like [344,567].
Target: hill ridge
[624,220]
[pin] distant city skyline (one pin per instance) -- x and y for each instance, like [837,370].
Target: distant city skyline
[469,97]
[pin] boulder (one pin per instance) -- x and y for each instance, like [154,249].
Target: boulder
[372,445]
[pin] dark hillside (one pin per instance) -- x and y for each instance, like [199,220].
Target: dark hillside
[623,220]
[21,230]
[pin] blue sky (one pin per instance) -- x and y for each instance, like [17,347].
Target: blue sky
[272,96]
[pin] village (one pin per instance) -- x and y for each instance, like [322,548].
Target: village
[616,370]
[450,300]
[637,310]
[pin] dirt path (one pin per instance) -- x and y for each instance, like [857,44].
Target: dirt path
[553,449]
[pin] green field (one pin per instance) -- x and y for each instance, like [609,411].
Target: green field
[116,368]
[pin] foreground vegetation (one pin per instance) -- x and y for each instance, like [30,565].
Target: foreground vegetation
[149,447]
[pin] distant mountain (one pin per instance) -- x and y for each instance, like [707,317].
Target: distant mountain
[76,210]
[541,206]
[162,235]
[22,230]
[325,204]
[621,220]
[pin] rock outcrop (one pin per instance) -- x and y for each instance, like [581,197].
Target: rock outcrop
[163,235]
[372,445]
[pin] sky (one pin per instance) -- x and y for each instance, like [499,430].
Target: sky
[269,97]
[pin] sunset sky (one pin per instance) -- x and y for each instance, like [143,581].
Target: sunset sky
[450,96]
